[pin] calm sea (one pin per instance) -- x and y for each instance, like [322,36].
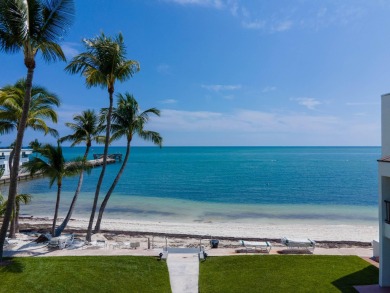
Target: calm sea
[238,184]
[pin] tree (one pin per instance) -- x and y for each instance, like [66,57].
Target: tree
[86,129]
[51,163]
[102,64]
[30,26]
[35,145]
[41,109]
[127,121]
[22,198]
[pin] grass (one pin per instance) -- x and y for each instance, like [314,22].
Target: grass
[285,273]
[85,274]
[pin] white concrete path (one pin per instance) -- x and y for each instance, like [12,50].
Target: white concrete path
[183,272]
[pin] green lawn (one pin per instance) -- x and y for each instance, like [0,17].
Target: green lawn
[85,274]
[285,273]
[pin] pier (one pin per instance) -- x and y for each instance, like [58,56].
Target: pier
[98,161]
[116,157]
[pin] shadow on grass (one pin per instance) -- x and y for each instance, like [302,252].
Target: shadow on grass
[366,276]
[11,265]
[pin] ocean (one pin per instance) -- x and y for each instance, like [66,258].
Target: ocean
[265,185]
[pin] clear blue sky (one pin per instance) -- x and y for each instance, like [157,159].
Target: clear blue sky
[236,72]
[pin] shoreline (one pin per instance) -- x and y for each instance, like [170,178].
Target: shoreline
[321,233]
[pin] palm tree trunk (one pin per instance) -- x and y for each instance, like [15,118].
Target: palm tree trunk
[12,227]
[17,210]
[56,210]
[99,184]
[18,147]
[65,222]
[113,185]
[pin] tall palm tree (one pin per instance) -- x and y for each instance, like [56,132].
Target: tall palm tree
[41,109]
[52,164]
[127,121]
[86,129]
[23,198]
[102,64]
[31,27]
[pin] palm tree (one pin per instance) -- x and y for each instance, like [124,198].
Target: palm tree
[52,164]
[41,109]
[127,121]
[102,64]
[86,129]
[35,145]
[20,198]
[30,27]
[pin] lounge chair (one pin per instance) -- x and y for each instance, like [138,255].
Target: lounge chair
[61,241]
[263,246]
[299,243]
[96,244]
[9,242]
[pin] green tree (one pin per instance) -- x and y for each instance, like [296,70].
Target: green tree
[86,129]
[41,109]
[22,198]
[31,27]
[35,145]
[102,64]
[51,163]
[127,121]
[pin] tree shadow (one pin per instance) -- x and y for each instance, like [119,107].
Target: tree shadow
[11,265]
[367,276]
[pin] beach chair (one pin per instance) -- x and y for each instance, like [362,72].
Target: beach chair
[9,242]
[96,244]
[299,243]
[262,246]
[134,245]
[61,241]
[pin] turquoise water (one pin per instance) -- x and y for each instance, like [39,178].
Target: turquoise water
[263,184]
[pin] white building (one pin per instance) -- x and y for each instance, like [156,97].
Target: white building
[4,159]
[384,196]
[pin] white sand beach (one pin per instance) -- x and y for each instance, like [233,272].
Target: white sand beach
[317,232]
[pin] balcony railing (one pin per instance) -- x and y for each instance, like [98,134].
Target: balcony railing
[387,207]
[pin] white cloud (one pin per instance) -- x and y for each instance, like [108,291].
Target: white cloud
[362,104]
[309,103]
[168,101]
[70,50]
[282,26]
[269,89]
[219,4]
[253,24]
[163,69]
[221,87]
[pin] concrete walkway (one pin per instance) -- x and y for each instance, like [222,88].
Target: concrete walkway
[183,272]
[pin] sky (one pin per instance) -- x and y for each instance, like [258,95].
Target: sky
[234,72]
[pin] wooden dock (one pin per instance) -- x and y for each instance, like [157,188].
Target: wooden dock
[116,157]
[26,176]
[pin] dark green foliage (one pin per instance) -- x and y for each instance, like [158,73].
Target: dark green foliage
[85,274]
[285,273]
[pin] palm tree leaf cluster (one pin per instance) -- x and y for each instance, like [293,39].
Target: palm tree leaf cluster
[35,25]
[103,62]
[41,108]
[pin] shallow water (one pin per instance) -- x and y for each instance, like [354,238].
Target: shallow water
[228,184]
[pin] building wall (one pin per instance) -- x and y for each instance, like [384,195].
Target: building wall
[4,159]
[384,194]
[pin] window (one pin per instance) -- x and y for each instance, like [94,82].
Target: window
[2,156]
[24,155]
[2,166]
